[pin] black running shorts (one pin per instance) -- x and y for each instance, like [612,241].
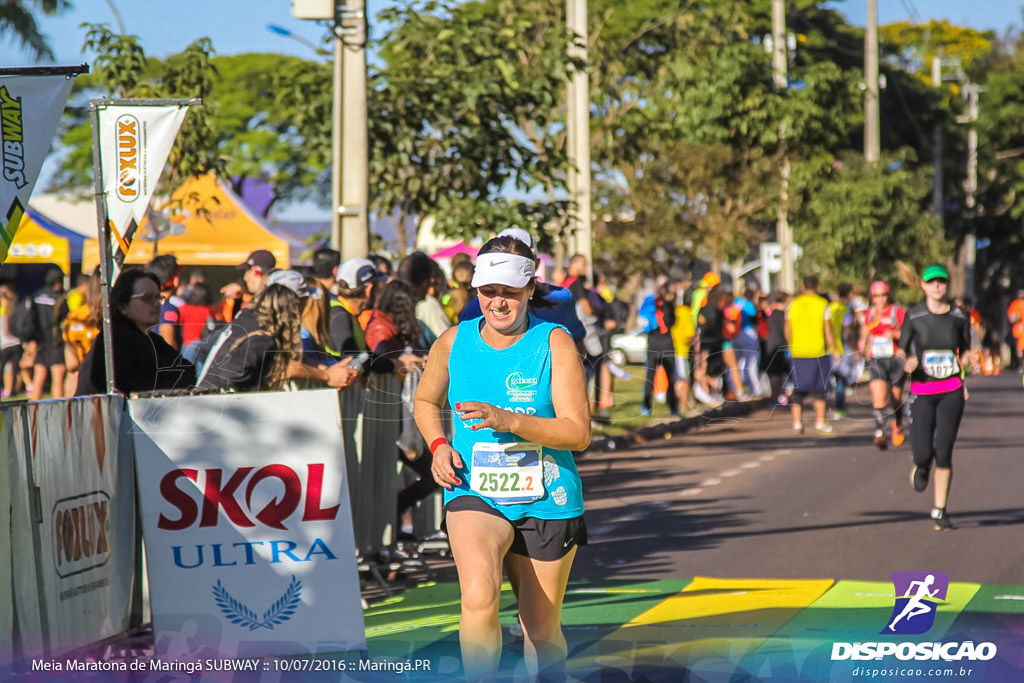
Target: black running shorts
[546,540]
[10,356]
[888,370]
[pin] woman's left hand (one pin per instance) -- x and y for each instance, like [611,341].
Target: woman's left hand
[491,417]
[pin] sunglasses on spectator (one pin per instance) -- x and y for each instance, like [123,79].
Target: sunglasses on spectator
[149,298]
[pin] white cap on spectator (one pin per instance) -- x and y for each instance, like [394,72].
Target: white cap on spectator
[290,279]
[358,272]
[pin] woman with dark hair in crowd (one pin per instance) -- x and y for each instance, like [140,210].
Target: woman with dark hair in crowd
[143,361]
[512,491]
[254,351]
[393,333]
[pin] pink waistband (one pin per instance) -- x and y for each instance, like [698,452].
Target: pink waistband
[940,387]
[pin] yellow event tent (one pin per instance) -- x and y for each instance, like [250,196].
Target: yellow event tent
[222,233]
[40,240]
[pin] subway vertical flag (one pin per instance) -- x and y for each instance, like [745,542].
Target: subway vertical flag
[30,108]
[135,140]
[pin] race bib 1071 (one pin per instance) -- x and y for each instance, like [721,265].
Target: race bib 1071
[940,364]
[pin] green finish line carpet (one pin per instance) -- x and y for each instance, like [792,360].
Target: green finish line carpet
[709,629]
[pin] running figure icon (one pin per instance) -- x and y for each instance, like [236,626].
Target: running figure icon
[916,605]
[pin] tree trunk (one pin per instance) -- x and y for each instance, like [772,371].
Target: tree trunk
[958,272]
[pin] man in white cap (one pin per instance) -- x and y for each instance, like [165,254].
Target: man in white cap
[356,279]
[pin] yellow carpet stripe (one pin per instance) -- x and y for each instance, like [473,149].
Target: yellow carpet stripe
[710,617]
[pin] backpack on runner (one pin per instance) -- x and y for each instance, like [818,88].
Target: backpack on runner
[24,322]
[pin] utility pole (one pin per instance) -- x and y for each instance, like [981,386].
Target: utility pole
[872,125]
[937,200]
[780,57]
[578,137]
[352,211]
[337,111]
[350,157]
[971,92]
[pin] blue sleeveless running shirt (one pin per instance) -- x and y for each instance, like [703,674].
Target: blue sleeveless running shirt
[517,379]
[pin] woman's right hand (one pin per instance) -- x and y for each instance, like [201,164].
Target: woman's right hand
[446,461]
[910,365]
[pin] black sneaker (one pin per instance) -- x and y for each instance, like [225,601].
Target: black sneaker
[919,478]
[942,520]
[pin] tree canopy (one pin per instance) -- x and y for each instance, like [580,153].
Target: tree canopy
[689,134]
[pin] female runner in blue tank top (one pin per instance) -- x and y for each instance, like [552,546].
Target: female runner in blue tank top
[512,492]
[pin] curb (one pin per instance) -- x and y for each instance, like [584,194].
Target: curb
[668,430]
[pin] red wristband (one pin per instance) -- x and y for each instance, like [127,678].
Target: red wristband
[436,443]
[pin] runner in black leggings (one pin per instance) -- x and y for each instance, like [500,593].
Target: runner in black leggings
[936,343]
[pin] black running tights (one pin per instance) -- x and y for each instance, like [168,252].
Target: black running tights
[935,420]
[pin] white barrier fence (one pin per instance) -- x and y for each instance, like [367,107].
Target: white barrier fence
[70,571]
[73,522]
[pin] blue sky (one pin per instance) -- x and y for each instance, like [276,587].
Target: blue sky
[979,14]
[235,26]
[165,27]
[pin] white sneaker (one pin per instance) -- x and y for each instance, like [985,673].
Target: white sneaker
[824,428]
[618,372]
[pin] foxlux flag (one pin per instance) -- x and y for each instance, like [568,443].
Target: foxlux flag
[134,143]
[30,107]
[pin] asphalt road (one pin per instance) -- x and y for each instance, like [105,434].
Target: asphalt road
[748,498]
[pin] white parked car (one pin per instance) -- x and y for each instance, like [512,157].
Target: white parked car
[628,347]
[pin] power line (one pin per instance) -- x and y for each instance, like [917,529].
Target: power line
[911,10]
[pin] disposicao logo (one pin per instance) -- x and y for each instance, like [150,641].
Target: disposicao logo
[917,598]
[918,595]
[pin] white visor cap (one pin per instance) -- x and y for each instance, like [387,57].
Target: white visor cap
[519,234]
[510,270]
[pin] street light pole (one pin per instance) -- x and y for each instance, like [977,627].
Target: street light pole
[282,31]
[337,113]
[578,138]
[937,200]
[350,157]
[350,229]
[780,67]
[872,124]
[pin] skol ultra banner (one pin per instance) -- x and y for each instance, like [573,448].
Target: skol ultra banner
[134,143]
[247,523]
[30,107]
